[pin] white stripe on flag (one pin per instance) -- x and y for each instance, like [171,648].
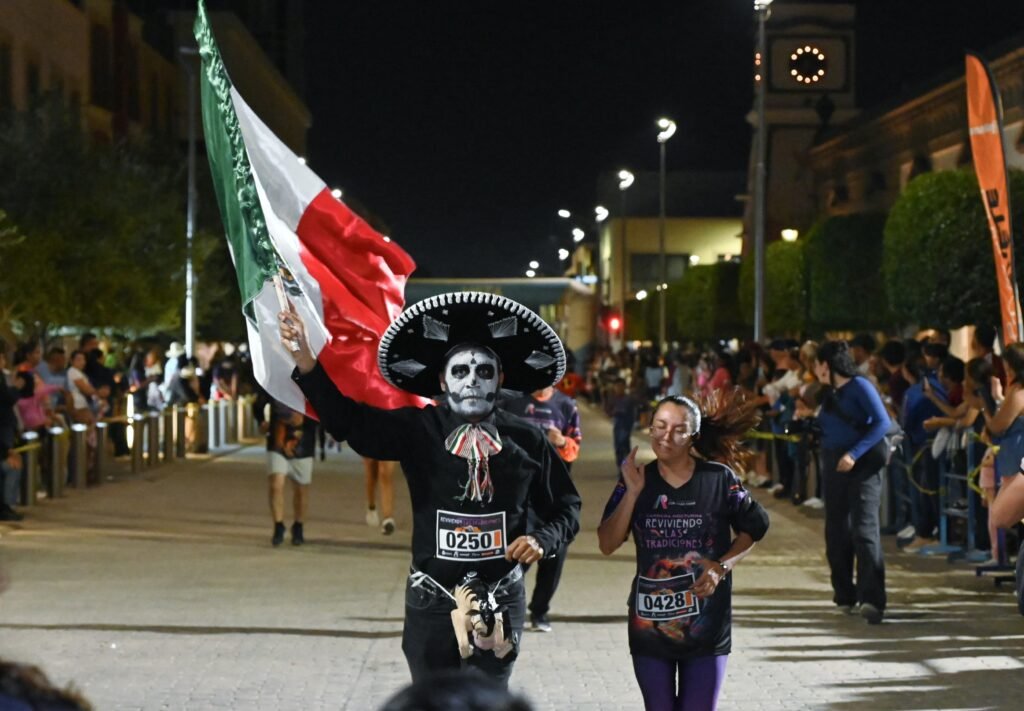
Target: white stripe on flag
[291,184]
[287,245]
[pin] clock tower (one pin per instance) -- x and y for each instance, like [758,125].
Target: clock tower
[810,86]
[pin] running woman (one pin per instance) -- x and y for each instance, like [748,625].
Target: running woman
[682,510]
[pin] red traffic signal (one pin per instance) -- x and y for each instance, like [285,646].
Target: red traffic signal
[614,323]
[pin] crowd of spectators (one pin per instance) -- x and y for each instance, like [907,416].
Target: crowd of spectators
[47,388]
[954,417]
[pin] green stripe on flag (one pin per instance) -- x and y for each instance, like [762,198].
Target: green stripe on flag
[246,229]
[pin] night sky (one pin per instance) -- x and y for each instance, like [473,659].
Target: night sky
[465,125]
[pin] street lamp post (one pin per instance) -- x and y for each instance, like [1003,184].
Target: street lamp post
[188,54]
[625,180]
[668,128]
[760,171]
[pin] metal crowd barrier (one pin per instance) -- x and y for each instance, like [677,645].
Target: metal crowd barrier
[61,457]
[180,436]
[29,452]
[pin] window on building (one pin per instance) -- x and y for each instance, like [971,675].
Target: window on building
[734,258]
[101,67]
[57,83]
[154,104]
[644,270]
[134,107]
[33,79]
[6,96]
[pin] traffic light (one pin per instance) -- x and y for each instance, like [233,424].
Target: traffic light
[611,320]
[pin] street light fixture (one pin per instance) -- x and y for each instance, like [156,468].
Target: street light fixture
[563,254]
[641,295]
[302,160]
[626,179]
[564,214]
[600,213]
[761,8]
[668,129]
[790,235]
[336,193]
[530,273]
[578,234]
[534,264]
[694,259]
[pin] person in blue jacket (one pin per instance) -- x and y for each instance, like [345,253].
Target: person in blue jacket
[853,424]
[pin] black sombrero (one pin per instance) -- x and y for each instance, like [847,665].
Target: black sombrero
[412,350]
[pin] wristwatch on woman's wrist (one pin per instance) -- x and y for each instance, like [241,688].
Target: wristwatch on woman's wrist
[721,564]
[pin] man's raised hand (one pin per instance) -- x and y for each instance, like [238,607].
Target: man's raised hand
[293,332]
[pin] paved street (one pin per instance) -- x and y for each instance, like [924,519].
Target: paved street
[162,592]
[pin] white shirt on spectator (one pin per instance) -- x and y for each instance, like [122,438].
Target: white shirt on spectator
[790,381]
[78,399]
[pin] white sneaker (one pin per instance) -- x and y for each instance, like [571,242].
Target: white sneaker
[907,532]
[814,503]
[758,480]
[776,487]
[388,526]
[372,519]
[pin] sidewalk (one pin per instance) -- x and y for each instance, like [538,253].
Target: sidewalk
[163,592]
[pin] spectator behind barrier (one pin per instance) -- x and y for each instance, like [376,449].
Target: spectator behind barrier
[982,345]
[1006,424]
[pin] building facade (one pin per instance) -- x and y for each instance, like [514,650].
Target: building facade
[96,55]
[865,165]
[703,225]
[810,87]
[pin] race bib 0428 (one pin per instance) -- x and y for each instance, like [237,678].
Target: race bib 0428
[470,537]
[666,598]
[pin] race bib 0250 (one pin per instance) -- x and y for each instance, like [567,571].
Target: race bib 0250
[666,598]
[470,537]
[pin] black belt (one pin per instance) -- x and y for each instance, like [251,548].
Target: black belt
[419,579]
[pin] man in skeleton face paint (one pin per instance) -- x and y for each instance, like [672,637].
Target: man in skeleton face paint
[473,471]
[471,381]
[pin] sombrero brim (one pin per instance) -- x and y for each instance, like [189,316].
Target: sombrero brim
[412,350]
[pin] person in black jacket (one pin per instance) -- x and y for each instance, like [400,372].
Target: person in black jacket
[474,472]
[12,390]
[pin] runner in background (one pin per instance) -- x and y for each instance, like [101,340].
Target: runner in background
[557,416]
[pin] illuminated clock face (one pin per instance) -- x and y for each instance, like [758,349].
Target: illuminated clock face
[807,65]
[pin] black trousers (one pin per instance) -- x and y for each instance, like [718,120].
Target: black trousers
[549,572]
[428,638]
[852,535]
[784,464]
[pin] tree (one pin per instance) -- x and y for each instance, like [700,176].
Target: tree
[938,269]
[705,303]
[785,289]
[103,225]
[843,257]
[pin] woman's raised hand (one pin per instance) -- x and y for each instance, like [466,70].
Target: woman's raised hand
[632,473]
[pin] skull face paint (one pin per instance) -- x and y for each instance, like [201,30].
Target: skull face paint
[471,379]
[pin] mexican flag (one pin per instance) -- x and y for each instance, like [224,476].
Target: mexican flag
[346,280]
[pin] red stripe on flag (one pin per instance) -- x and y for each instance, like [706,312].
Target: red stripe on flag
[362,282]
